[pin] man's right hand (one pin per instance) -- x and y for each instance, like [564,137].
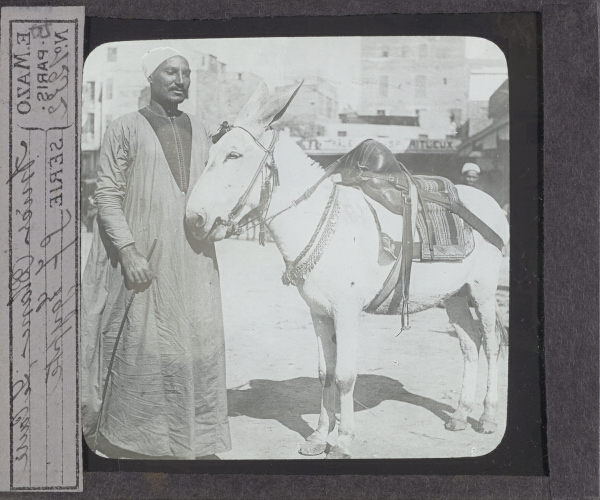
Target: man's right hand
[136,267]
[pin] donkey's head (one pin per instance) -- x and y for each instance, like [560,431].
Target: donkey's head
[232,166]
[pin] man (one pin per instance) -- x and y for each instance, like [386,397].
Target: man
[166,394]
[470,175]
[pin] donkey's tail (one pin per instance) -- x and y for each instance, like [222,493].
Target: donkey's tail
[502,333]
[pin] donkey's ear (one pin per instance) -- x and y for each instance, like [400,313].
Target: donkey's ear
[274,109]
[254,104]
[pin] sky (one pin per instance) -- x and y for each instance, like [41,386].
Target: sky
[334,59]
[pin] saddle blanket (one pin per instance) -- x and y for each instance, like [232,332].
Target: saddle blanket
[447,236]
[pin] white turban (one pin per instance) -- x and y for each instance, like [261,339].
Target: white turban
[470,167]
[154,58]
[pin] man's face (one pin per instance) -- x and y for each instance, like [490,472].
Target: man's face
[170,82]
[470,177]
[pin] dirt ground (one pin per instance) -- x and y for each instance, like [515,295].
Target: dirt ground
[407,385]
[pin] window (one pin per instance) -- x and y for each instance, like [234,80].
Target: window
[385,52]
[381,112]
[456,114]
[420,86]
[441,53]
[384,83]
[213,66]
[342,133]
[111,55]
[109,89]
[88,91]
[445,81]
[88,124]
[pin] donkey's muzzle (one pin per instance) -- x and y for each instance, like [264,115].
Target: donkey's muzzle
[196,222]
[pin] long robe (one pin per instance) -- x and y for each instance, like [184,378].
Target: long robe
[166,395]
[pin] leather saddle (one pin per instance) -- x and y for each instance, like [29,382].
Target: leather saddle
[372,167]
[372,157]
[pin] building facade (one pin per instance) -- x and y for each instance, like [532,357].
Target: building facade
[429,78]
[483,82]
[424,77]
[315,106]
[490,149]
[233,93]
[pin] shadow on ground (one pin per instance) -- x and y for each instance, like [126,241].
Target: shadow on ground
[287,400]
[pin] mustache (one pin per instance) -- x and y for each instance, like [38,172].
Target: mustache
[181,88]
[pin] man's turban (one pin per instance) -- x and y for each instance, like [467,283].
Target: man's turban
[154,58]
[470,167]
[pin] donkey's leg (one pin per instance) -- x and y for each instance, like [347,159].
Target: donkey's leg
[469,337]
[315,444]
[486,311]
[346,330]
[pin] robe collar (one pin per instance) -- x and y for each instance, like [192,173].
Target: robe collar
[157,109]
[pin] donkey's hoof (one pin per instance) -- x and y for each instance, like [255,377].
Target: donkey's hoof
[486,426]
[337,452]
[455,424]
[312,447]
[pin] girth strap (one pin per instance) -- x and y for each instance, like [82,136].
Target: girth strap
[398,280]
[401,291]
[390,282]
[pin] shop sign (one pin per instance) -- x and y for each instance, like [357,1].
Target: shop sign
[431,145]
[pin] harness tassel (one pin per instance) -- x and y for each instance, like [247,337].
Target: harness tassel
[264,192]
[264,196]
[275,171]
[261,235]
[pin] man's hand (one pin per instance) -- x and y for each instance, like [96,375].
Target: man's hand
[136,267]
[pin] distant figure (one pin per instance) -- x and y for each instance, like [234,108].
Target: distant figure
[470,175]
[453,129]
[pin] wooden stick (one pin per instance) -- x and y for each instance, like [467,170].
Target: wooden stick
[112,358]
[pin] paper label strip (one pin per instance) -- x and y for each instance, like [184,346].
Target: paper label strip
[41,72]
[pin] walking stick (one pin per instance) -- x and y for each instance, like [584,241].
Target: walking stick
[112,358]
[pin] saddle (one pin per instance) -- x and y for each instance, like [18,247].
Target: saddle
[440,219]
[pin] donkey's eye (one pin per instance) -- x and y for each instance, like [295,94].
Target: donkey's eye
[233,155]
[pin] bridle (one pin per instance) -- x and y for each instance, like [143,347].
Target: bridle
[271,173]
[270,179]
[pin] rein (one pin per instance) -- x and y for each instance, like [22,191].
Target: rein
[255,213]
[260,212]
[296,272]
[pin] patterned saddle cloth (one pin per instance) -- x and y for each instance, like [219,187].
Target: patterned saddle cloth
[372,167]
[448,237]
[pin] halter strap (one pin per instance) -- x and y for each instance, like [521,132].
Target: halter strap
[254,213]
[268,152]
[260,212]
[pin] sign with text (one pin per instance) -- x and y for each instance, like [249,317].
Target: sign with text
[41,72]
[432,145]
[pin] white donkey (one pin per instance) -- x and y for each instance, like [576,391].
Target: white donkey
[341,268]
